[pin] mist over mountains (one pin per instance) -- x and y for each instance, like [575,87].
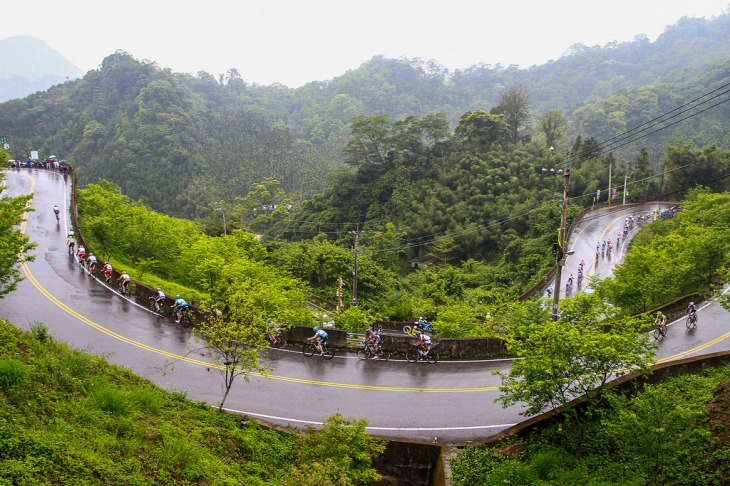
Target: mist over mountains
[30,65]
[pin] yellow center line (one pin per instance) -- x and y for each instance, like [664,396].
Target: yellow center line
[178,357]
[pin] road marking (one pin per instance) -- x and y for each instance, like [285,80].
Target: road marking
[395,429]
[207,364]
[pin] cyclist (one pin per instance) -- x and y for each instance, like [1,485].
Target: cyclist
[603,246]
[179,307]
[159,298]
[570,280]
[372,338]
[691,309]
[582,264]
[320,338]
[424,343]
[618,237]
[71,242]
[81,254]
[56,210]
[125,281]
[661,322]
[107,269]
[272,326]
[91,262]
[549,291]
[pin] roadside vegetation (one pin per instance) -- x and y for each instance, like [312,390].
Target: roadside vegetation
[675,432]
[674,257]
[67,417]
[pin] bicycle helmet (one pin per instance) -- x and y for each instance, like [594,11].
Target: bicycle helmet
[269,319]
[691,303]
[316,328]
[159,289]
[178,296]
[418,334]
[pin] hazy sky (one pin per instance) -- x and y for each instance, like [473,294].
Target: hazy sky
[296,41]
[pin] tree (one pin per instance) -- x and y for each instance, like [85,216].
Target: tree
[482,129]
[233,335]
[572,358]
[515,106]
[369,140]
[15,245]
[552,124]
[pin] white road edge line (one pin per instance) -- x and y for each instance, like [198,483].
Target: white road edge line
[312,422]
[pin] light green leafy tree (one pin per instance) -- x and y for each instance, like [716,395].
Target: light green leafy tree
[572,359]
[233,337]
[14,245]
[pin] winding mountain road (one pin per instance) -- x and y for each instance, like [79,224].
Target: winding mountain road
[450,401]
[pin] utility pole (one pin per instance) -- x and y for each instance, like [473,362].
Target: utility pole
[560,249]
[626,179]
[610,167]
[354,268]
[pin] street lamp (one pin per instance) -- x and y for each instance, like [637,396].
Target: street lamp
[559,248]
[223,213]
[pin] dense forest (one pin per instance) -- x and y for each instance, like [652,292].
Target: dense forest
[399,162]
[210,137]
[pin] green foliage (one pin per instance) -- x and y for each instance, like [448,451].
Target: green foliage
[354,319]
[175,249]
[234,336]
[97,423]
[569,359]
[672,258]
[15,245]
[659,436]
[13,374]
[347,444]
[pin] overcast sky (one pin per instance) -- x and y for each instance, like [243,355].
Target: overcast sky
[296,41]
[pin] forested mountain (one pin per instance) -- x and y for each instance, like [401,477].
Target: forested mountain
[188,144]
[30,65]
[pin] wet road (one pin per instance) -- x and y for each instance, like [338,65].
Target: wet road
[450,400]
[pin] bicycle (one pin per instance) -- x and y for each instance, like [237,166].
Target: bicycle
[660,332]
[185,320]
[367,351]
[415,354]
[276,340]
[124,290]
[412,330]
[156,307]
[310,349]
[692,321]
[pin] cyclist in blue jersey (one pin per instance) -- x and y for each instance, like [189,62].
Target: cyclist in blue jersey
[179,307]
[320,338]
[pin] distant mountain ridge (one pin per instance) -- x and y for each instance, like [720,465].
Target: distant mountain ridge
[30,65]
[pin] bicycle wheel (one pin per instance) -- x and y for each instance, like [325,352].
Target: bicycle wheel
[172,316]
[432,357]
[308,350]
[383,355]
[328,353]
[279,342]
[363,353]
[412,355]
[656,333]
[185,321]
